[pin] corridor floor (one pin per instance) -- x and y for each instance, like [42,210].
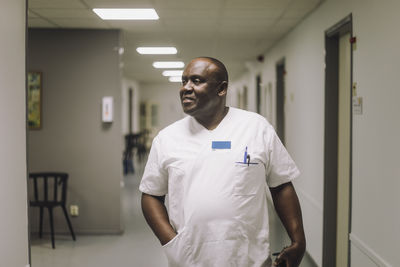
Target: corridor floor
[137,247]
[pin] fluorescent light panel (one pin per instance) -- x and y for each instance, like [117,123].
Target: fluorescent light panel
[172,73]
[126,13]
[168,64]
[175,79]
[156,50]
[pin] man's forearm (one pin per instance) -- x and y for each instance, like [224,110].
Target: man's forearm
[157,218]
[288,208]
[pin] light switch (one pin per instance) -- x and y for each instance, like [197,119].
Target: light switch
[74,210]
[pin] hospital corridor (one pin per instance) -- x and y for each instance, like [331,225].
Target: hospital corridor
[92,90]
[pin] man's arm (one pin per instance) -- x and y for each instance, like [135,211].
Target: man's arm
[288,208]
[156,216]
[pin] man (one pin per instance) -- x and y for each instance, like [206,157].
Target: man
[214,166]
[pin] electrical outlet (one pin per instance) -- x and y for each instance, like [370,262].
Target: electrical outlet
[74,210]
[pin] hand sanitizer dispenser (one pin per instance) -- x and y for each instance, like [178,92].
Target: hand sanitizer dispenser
[107,109]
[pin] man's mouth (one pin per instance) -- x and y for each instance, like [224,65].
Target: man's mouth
[187,100]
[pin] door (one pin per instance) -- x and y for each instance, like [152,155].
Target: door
[337,144]
[280,100]
[258,92]
[344,124]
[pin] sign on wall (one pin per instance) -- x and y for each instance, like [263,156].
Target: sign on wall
[34,100]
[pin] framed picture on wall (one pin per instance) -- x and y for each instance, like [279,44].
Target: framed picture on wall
[34,100]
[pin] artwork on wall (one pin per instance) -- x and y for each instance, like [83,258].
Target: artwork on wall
[34,100]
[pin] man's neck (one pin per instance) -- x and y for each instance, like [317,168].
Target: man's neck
[212,121]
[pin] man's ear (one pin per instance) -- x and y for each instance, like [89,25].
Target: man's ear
[223,88]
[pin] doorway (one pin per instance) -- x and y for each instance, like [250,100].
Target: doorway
[337,154]
[258,90]
[280,99]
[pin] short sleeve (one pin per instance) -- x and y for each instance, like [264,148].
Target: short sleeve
[280,166]
[155,178]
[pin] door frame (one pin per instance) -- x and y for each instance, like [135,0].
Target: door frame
[332,36]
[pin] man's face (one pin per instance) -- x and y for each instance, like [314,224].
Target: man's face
[199,91]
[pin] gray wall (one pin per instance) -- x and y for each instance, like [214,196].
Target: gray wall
[13,201]
[79,68]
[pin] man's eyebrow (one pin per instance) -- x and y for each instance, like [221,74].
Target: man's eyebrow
[192,76]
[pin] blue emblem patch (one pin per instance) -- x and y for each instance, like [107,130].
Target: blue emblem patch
[221,145]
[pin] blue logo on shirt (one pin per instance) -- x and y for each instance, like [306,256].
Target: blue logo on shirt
[221,145]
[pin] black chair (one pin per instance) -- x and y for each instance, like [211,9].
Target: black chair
[131,141]
[49,183]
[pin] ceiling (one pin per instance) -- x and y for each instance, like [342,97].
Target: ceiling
[234,31]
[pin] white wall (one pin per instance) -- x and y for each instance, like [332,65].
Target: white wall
[375,197]
[376,170]
[249,80]
[166,95]
[126,85]
[13,180]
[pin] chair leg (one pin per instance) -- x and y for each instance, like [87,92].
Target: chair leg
[69,222]
[51,227]
[41,222]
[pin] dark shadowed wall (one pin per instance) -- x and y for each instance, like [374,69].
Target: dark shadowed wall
[79,68]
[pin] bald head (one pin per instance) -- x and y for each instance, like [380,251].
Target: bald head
[204,88]
[220,71]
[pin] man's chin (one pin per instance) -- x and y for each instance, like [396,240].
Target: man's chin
[189,110]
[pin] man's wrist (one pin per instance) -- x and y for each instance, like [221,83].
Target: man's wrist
[167,237]
[300,246]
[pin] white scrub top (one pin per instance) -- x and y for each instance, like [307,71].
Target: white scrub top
[215,182]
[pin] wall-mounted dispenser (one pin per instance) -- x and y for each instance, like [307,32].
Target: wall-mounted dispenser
[107,109]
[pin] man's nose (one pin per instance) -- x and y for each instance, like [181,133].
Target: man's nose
[188,86]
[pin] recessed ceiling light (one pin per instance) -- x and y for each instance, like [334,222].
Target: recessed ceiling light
[156,50]
[175,79]
[126,13]
[168,64]
[172,73]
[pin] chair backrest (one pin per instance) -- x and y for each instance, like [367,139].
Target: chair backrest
[131,140]
[46,186]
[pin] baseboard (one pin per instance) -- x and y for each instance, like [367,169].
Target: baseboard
[85,232]
[308,261]
[367,251]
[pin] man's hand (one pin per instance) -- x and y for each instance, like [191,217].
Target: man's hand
[290,256]
[288,208]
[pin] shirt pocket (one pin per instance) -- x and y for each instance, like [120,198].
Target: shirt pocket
[248,178]
[176,250]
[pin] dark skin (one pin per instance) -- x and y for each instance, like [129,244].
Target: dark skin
[203,93]
[157,218]
[288,208]
[203,96]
